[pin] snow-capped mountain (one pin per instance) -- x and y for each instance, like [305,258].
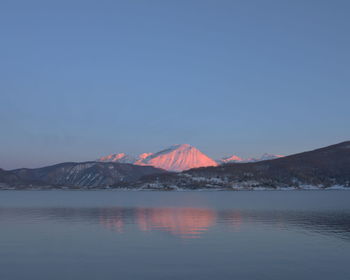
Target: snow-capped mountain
[120,158]
[178,158]
[175,158]
[229,159]
[237,159]
[265,156]
[124,158]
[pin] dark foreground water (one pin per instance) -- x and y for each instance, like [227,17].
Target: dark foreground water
[174,235]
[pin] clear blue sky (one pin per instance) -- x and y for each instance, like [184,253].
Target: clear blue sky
[81,79]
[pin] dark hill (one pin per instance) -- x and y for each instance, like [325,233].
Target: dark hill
[70,174]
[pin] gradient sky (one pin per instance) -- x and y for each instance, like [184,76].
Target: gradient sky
[82,79]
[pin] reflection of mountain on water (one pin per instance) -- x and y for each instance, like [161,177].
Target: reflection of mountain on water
[183,222]
[188,222]
[192,222]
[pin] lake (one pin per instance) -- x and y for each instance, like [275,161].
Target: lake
[174,235]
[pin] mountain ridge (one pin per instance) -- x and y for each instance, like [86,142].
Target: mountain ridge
[75,174]
[234,158]
[323,168]
[174,158]
[178,157]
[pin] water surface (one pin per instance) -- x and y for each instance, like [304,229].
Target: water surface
[174,235]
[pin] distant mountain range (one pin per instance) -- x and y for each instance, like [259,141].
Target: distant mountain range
[179,158]
[327,167]
[237,159]
[175,158]
[75,175]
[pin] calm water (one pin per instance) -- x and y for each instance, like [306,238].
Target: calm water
[174,235]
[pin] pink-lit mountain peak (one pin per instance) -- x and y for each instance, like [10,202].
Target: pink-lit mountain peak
[230,159]
[175,158]
[237,159]
[120,157]
[178,158]
[267,156]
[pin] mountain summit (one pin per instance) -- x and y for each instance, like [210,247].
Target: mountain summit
[178,158]
[175,158]
[230,159]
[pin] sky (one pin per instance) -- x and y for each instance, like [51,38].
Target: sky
[80,79]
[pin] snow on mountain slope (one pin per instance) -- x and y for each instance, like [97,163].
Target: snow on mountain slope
[178,158]
[143,156]
[265,156]
[229,159]
[124,158]
[237,159]
[269,156]
[120,158]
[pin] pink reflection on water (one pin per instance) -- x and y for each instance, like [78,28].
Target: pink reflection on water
[182,222]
